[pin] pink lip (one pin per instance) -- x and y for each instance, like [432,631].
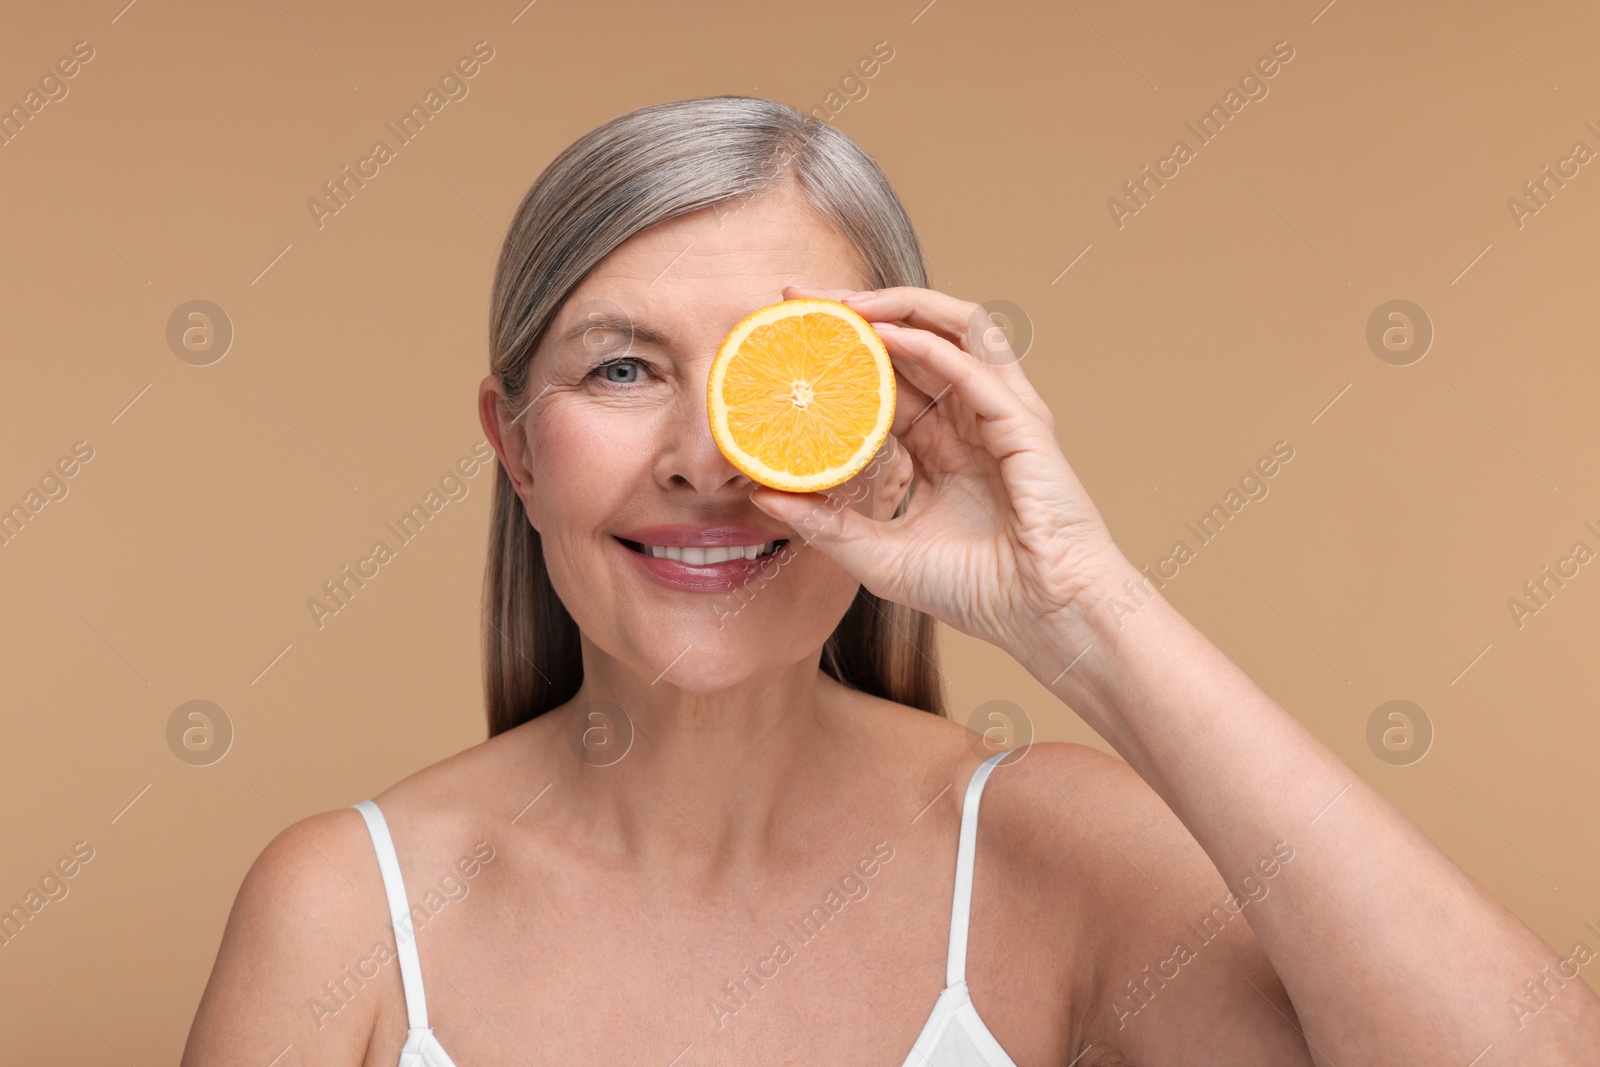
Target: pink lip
[684,536]
[722,577]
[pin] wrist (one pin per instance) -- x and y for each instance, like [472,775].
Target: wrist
[1076,650]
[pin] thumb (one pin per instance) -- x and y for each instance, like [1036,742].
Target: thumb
[838,530]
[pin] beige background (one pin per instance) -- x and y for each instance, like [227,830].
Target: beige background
[1228,314]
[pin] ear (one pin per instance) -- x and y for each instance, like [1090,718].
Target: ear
[508,436]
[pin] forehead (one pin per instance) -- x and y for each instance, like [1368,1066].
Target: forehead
[694,277]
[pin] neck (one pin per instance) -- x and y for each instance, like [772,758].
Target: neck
[662,771]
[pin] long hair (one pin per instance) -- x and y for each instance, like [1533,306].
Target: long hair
[639,169]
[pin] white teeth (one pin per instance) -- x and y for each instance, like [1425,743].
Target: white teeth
[705,557]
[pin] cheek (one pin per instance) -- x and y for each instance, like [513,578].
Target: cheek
[584,469]
[584,465]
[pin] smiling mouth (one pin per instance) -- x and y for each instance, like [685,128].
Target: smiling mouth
[707,557]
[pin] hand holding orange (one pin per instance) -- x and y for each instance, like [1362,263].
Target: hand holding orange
[998,533]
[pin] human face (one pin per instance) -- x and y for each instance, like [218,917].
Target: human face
[609,454]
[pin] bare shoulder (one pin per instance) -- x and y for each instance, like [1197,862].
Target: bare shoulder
[310,908]
[1078,837]
[446,802]
[307,950]
[1061,803]
[1071,847]
[1169,967]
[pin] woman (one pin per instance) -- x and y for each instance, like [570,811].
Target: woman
[715,821]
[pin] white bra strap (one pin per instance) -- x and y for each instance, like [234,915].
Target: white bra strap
[399,914]
[961,906]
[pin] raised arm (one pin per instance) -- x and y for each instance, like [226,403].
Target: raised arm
[1388,951]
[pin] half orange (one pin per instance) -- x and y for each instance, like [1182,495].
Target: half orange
[801,395]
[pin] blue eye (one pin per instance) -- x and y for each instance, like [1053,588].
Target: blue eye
[618,363]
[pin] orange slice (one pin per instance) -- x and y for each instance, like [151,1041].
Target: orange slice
[801,395]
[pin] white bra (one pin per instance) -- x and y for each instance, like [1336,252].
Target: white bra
[953,1036]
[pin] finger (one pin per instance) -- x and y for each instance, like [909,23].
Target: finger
[915,387]
[909,402]
[837,295]
[926,309]
[960,321]
[1006,425]
[832,526]
[913,399]
[801,291]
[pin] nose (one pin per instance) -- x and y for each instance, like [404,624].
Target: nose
[688,454]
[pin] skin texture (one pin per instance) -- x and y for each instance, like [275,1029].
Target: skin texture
[620,899]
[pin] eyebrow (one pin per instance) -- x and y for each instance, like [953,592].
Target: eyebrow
[621,324]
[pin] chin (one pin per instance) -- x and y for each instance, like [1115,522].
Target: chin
[708,668]
[704,654]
